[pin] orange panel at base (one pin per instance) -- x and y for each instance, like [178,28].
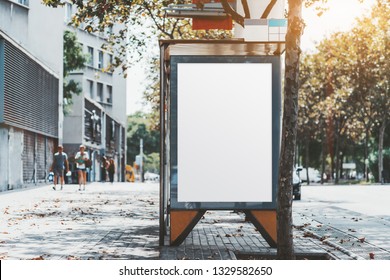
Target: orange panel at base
[266,222]
[182,222]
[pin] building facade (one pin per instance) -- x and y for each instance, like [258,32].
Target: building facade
[32,122]
[97,118]
[31,71]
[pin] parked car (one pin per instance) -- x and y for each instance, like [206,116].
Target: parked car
[314,175]
[297,184]
[149,176]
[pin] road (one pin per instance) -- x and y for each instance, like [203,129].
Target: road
[364,199]
[355,217]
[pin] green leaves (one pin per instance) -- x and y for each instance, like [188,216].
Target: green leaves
[139,127]
[74,59]
[345,84]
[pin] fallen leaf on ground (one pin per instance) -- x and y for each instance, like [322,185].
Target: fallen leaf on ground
[372,255]
[308,234]
[40,258]
[362,239]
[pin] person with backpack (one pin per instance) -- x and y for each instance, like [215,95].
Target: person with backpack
[60,164]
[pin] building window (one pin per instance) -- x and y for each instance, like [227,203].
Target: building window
[100,92]
[23,2]
[90,59]
[109,94]
[68,12]
[110,61]
[90,88]
[101,60]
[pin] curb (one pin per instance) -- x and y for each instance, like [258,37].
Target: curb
[333,245]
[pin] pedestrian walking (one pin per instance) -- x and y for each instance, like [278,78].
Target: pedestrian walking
[104,169]
[59,165]
[81,159]
[111,170]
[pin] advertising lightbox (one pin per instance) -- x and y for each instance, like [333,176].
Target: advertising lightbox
[224,134]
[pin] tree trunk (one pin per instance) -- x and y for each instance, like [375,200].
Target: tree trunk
[285,248]
[380,149]
[366,157]
[337,152]
[307,160]
[323,158]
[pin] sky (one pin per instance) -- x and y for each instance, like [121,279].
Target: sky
[340,17]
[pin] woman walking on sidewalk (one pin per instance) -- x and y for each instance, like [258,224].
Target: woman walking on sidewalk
[81,160]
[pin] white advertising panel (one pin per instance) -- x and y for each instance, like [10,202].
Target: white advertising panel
[224,146]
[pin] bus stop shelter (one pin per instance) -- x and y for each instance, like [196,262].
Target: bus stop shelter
[220,120]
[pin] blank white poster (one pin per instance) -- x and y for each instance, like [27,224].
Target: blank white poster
[224,132]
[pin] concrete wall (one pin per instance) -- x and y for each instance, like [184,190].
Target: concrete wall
[11,165]
[3,158]
[45,39]
[74,122]
[13,20]
[119,98]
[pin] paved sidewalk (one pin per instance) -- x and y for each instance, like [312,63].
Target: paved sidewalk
[359,236]
[120,221]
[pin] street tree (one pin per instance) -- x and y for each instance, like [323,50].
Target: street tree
[74,59]
[285,247]
[375,31]
[311,116]
[339,103]
[136,21]
[356,86]
[139,127]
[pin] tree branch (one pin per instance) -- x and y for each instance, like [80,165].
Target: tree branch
[268,9]
[246,8]
[229,10]
[159,27]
